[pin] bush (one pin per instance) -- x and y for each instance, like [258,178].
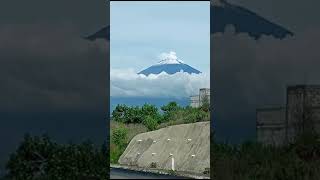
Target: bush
[119,112]
[115,153]
[149,110]
[195,115]
[171,112]
[119,136]
[171,106]
[150,123]
[132,130]
[40,158]
[118,143]
[168,110]
[134,114]
[125,114]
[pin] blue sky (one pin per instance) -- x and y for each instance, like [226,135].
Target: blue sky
[141,31]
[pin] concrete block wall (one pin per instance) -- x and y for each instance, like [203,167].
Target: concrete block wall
[302,101]
[196,100]
[204,92]
[271,125]
[281,125]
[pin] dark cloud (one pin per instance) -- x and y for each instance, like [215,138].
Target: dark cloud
[52,79]
[295,14]
[84,14]
[103,33]
[248,74]
[51,67]
[244,21]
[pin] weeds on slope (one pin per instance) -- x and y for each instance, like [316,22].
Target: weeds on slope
[254,161]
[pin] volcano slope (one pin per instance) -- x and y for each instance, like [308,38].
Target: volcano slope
[188,144]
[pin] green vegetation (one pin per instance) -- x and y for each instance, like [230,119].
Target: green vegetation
[135,114]
[151,117]
[119,136]
[131,130]
[40,158]
[151,123]
[136,120]
[119,142]
[253,161]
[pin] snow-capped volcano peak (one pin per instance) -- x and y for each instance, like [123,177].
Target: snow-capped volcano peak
[169,64]
[169,58]
[170,61]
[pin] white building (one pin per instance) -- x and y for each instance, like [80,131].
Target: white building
[196,100]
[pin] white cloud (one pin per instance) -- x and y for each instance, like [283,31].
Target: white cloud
[169,58]
[126,82]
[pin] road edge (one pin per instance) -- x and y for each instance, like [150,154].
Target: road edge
[158,171]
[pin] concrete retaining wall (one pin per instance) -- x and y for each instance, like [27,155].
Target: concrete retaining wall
[189,145]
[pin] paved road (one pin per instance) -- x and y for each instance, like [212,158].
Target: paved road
[116,173]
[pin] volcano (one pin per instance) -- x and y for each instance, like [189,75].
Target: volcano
[170,64]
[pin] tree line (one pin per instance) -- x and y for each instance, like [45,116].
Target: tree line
[151,116]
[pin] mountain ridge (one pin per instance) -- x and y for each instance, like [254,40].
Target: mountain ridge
[169,64]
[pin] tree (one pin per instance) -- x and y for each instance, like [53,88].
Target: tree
[168,110]
[133,115]
[195,115]
[41,158]
[119,112]
[150,123]
[149,110]
[171,106]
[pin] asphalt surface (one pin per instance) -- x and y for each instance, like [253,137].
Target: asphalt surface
[116,173]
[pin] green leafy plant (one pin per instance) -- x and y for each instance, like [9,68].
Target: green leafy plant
[150,123]
[119,136]
[168,110]
[119,112]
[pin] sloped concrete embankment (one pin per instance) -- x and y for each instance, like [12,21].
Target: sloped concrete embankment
[188,144]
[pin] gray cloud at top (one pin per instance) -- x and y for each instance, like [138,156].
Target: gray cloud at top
[293,14]
[51,79]
[51,67]
[45,63]
[83,14]
[249,74]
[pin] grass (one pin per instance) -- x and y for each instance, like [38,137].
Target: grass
[253,161]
